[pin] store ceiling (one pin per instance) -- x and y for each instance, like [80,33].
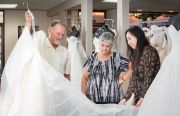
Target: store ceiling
[145,5]
[34,4]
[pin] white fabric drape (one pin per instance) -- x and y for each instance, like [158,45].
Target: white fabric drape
[31,87]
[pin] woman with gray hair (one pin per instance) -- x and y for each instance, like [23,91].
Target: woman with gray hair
[101,74]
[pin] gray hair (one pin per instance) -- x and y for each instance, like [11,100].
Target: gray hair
[55,22]
[107,36]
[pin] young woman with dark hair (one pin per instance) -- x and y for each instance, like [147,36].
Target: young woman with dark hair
[145,64]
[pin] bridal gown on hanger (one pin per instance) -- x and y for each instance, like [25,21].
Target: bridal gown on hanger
[163,96]
[78,58]
[31,87]
[158,39]
[96,42]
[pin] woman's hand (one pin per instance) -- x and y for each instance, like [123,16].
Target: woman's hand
[122,102]
[139,103]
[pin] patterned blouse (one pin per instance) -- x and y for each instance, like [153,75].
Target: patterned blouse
[144,74]
[102,84]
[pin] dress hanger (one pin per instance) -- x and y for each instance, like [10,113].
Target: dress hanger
[33,19]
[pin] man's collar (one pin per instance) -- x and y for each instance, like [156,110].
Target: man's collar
[48,43]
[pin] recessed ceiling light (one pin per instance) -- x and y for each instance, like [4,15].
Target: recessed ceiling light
[8,5]
[114,1]
[139,9]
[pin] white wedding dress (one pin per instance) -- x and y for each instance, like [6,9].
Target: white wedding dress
[31,87]
[163,96]
[78,58]
[158,39]
[96,42]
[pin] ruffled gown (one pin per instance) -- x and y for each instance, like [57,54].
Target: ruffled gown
[159,40]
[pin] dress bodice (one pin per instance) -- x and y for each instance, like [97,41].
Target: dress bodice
[96,44]
[72,39]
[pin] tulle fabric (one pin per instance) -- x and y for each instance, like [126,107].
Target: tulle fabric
[31,87]
[162,98]
[78,57]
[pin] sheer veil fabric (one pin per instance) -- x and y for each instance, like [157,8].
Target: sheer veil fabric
[31,87]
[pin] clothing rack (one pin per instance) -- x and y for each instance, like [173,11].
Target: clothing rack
[158,23]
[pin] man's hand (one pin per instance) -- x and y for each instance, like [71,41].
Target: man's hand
[28,19]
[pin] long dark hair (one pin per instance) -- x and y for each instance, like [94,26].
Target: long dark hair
[135,54]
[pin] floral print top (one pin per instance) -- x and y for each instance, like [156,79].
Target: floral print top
[144,74]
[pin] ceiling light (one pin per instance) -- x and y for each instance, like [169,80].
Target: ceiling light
[170,11]
[114,1]
[8,5]
[139,10]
